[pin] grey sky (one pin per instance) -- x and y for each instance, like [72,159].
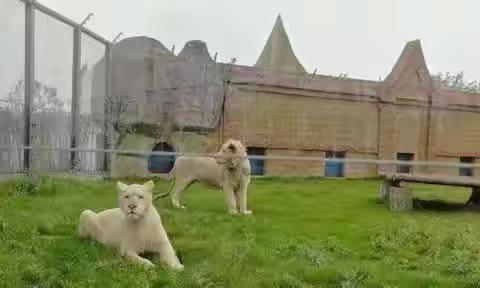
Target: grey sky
[361,37]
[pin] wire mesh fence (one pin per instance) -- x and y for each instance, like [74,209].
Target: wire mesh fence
[51,110]
[12,15]
[46,94]
[73,101]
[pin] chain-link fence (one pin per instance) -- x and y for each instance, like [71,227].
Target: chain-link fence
[46,91]
[12,19]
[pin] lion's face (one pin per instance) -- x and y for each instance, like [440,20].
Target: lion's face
[231,154]
[135,200]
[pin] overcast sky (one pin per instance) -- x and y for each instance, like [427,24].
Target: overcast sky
[360,37]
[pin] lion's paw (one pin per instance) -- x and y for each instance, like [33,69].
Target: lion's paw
[178,206]
[148,264]
[233,212]
[247,212]
[178,267]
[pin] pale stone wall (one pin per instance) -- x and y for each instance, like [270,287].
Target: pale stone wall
[294,167]
[288,124]
[137,166]
[476,171]
[387,136]
[357,170]
[445,171]
[306,115]
[192,142]
[129,165]
[411,134]
[408,130]
[282,121]
[457,133]
[315,168]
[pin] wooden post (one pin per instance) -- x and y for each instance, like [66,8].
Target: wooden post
[400,199]
[383,191]
[474,199]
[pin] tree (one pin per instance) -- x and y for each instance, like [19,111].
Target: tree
[457,82]
[45,98]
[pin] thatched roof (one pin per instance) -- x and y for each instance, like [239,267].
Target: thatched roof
[278,53]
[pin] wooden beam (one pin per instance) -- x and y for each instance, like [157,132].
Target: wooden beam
[449,181]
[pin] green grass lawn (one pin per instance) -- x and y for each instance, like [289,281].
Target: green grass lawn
[304,233]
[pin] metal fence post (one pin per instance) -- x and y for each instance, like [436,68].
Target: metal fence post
[29,78]
[107,104]
[77,54]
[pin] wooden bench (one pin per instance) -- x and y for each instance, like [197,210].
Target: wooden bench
[399,198]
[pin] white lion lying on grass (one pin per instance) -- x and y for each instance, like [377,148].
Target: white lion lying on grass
[229,170]
[134,228]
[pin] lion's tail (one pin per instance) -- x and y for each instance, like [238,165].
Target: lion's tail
[170,177]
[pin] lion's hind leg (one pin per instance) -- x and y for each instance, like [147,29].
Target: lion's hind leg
[88,226]
[179,186]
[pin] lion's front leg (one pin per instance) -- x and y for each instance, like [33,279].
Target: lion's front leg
[134,257]
[128,251]
[230,199]
[165,250]
[242,198]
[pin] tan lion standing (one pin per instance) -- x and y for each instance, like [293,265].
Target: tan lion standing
[133,229]
[228,170]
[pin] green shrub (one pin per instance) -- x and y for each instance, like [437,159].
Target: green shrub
[34,185]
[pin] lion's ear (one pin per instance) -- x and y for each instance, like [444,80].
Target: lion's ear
[121,186]
[149,186]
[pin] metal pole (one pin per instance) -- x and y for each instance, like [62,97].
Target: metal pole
[108,101]
[429,124]
[61,18]
[107,104]
[29,77]
[77,54]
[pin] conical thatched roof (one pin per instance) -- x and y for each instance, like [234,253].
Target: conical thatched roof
[409,71]
[196,51]
[411,58]
[278,53]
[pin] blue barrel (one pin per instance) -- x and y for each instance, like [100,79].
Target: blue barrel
[161,163]
[334,168]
